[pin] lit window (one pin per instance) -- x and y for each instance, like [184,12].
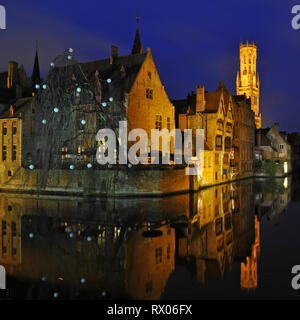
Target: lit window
[4,153]
[168,124]
[149,94]
[158,122]
[281,147]
[4,129]
[14,153]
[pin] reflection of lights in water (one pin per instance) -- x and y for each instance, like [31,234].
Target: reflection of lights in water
[232,204]
[285,167]
[285,182]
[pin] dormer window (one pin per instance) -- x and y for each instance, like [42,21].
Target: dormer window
[149,75]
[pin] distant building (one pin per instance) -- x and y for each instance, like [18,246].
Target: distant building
[273,144]
[247,81]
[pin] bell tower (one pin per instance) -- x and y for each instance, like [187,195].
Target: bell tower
[247,81]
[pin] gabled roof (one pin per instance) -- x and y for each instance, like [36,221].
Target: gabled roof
[123,71]
[212,101]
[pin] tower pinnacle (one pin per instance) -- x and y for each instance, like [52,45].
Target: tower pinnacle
[36,76]
[137,45]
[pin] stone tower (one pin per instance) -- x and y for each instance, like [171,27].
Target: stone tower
[247,81]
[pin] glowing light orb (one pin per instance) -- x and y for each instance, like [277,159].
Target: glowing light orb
[31,235]
[56,110]
[71,50]
[55,295]
[69,57]
[78,89]
[52,64]
[111,99]
[108,80]
[71,235]
[44,122]
[72,167]
[104,104]
[89,165]
[44,86]
[31,167]
[37,86]
[83,122]
[89,239]
[82,280]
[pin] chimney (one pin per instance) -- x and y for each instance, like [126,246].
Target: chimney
[12,74]
[258,137]
[276,127]
[113,53]
[200,99]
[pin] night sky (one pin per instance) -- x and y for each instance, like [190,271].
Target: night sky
[192,42]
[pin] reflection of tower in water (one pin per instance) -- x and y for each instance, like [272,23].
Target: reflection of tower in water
[249,269]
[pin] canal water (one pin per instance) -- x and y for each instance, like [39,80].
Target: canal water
[233,241]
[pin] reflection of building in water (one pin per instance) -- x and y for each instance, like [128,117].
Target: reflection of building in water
[10,224]
[221,232]
[101,253]
[249,269]
[209,240]
[273,198]
[150,262]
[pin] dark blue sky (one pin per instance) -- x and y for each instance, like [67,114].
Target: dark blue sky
[193,42]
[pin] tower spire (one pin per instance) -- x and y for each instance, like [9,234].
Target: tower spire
[36,76]
[137,45]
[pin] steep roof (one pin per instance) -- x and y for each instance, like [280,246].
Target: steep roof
[212,101]
[123,71]
[137,44]
[36,76]
[20,105]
